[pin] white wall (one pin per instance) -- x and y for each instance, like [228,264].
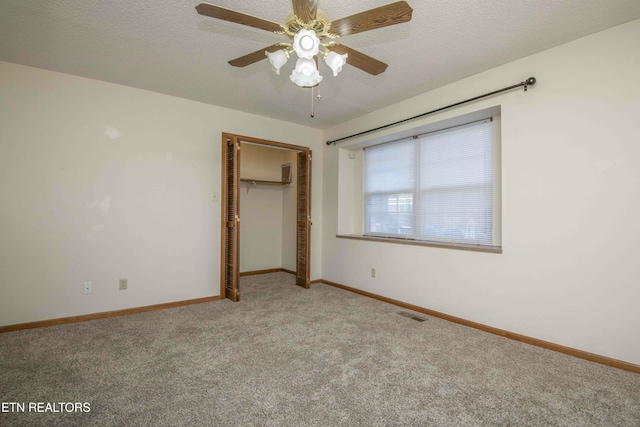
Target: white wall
[569,273]
[260,228]
[100,181]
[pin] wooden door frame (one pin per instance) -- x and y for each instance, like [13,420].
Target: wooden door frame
[241,138]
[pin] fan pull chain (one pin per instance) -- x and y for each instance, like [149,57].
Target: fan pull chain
[319,98]
[312,113]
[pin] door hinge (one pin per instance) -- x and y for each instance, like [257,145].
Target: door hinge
[237,218]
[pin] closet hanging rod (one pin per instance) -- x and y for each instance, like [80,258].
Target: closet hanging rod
[529,82]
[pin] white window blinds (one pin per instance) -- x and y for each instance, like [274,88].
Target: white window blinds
[436,187]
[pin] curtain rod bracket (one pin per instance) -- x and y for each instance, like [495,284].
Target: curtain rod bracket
[525,84]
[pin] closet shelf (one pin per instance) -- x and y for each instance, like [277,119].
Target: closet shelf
[260,181]
[256,182]
[286,179]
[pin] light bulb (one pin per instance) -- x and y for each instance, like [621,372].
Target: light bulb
[306,42]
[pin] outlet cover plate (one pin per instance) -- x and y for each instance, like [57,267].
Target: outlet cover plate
[123,284]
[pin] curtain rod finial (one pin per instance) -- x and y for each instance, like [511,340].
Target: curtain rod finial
[531,81]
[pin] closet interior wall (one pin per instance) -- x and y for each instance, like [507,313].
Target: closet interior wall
[267,212]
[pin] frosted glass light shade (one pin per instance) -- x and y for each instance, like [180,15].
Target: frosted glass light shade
[306,44]
[336,62]
[306,73]
[277,59]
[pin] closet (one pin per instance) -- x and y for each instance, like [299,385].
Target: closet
[268,208]
[265,210]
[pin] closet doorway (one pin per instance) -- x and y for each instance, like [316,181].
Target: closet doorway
[231,215]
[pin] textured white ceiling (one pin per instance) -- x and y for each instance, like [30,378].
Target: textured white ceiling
[165,46]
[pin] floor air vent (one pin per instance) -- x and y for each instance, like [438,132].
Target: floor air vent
[411,316]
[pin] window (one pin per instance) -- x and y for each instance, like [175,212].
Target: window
[434,187]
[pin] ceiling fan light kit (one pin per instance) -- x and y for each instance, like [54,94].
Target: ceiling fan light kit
[336,61]
[311,33]
[306,44]
[277,59]
[306,73]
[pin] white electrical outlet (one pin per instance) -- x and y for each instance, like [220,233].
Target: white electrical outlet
[373,273]
[123,284]
[88,288]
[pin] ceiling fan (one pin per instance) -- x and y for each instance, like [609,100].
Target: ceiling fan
[312,33]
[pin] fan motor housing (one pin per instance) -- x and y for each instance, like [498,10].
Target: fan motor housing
[320,25]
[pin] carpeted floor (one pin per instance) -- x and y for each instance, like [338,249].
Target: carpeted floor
[286,356]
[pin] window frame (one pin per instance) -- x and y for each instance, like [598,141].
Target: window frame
[349,228]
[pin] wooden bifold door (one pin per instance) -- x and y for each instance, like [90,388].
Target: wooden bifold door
[231,217]
[303,219]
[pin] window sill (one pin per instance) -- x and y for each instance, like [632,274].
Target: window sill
[459,246]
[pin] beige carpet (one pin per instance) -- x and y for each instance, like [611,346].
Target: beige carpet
[286,356]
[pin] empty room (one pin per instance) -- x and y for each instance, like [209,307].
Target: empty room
[320,213]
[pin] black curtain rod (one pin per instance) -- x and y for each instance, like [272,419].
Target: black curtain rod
[529,82]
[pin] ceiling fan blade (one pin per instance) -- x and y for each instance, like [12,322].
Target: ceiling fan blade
[391,14]
[218,12]
[305,10]
[252,57]
[360,60]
